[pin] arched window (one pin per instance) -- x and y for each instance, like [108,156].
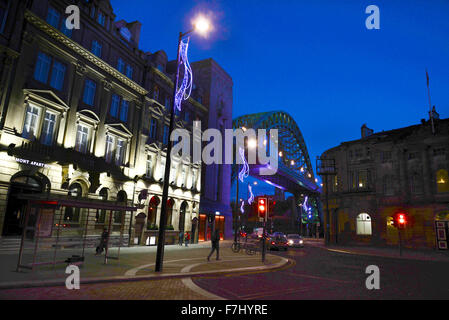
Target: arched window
[442,181]
[73,214]
[364,224]
[182,216]
[170,205]
[121,198]
[152,210]
[101,214]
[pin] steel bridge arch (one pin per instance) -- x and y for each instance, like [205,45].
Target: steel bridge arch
[290,138]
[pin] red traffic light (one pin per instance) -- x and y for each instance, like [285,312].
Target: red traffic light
[400,220]
[262,207]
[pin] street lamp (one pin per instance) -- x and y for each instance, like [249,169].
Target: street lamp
[202,26]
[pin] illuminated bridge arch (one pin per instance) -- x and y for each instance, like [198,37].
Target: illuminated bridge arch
[293,155]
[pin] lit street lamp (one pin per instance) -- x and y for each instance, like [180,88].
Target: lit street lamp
[202,26]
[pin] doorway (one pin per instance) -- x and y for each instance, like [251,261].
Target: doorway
[21,183]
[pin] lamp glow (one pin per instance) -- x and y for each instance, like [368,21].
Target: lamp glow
[202,25]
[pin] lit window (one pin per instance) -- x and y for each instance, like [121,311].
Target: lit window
[31,122]
[82,139]
[4,7]
[442,181]
[120,152]
[48,128]
[364,224]
[109,148]
[149,168]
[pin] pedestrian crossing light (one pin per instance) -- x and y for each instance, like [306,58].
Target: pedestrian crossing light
[262,207]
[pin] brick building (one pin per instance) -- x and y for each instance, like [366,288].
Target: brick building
[86,113]
[401,170]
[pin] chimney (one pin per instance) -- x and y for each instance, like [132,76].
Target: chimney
[134,28]
[366,132]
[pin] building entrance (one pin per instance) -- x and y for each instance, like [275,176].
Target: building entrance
[15,208]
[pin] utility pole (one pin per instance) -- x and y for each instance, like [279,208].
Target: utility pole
[326,167]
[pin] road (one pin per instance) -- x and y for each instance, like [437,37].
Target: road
[316,273]
[313,273]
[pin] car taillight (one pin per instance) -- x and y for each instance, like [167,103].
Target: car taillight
[272,242]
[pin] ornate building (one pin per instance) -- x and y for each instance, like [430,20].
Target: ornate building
[85,112]
[383,173]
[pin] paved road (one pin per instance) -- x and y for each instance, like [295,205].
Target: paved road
[317,273]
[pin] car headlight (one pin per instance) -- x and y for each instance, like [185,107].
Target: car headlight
[300,241]
[290,241]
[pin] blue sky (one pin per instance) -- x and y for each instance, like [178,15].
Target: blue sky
[316,59]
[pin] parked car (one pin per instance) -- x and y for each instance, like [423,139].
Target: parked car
[277,241]
[295,240]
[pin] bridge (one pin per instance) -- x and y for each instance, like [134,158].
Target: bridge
[295,172]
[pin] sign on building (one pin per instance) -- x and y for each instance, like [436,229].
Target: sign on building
[442,229]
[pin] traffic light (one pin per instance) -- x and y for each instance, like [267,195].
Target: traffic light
[262,209]
[400,220]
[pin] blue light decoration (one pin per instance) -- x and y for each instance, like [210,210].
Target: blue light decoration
[244,174]
[183,93]
[251,197]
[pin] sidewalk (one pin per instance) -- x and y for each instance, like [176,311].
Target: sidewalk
[392,252]
[135,263]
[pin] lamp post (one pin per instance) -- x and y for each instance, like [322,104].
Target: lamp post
[202,26]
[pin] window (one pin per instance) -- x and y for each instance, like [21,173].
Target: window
[109,148]
[31,122]
[442,181]
[364,224]
[121,65]
[153,128]
[101,18]
[183,175]
[120,152]
[129,71]
[42,68]
[4,7]
[96,48]
[416,185]
[73,214]
[57,75]
[388,188]
[115,105]
[167,103]
[56,20]
[155,93]
[439,152]
[149,168]
[89,92]
[53,17]
[115,150]
[160,67]
[82,139]
[100,216]
[124,110]
[165,136]
[362,179]
[187,116]
[385,156]
[177,112]
[48,128]
[194,178]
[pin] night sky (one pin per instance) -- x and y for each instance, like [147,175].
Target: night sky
[315,59]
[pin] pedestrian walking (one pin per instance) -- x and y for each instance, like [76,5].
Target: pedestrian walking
[187,238]
[103,242]
[181,237]
[215,244]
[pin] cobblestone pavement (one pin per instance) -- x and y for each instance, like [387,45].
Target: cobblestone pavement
[166,289]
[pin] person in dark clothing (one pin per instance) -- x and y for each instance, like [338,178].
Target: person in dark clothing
[103,241]
[215,244]
[181,237]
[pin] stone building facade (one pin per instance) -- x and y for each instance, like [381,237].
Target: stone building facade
[384,173]
[86,113]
